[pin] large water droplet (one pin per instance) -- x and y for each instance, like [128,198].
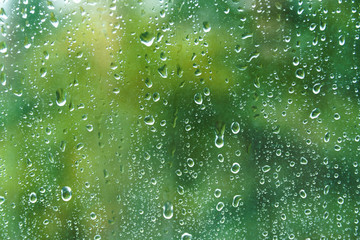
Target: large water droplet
[300,73]
[53,20]
[219,141]
[3,47]
[198,98]
[236,200]
[341,40]
[2,200]
[66,193]
[60,97]
[315,113]
[168,210]
[206,27]
[186,236]
[235,127]
[302,193]
[303,161]
[33,197]
[163,71]
[266,168]
[317,88]
[235,168]
[327,137]
[149,120]
[147,39]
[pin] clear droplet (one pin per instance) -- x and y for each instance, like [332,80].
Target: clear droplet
[168,210]
[149,120]
[236,200]
[206,27]
[60,97]
[235,127]
[303,161]
[186,236]
[317,88]
[147,38]
[327,137]
[266,168]
[2,200]
[33,197]
[300,73]
[53,20]
[66,193]
[219,141]
[220,206]
[43,72]
[315,113]
[217,193]
[190,162]
[198,98]
[163,71]
[302,193]
[3,47]
[93,216]
[235,168]
[342,40]
[326,189]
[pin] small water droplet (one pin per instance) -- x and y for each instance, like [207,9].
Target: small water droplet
[315,113]
[33,197]
[190,162]
[149,120]
[3,78]
[147,38]
[93,216]
[148,83]
[217,193]
[326,189]
[66,193]
[168,210]
[219,141]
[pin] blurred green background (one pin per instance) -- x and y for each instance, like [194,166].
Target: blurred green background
[179,119]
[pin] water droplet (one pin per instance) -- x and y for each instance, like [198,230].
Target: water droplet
[3,78]
[2,200]
[236,200]
[147,39]
[219,141]
[163,71]
[186,236]
[266,168]
[198,98]
[43,72]
[93,216]
[317,88]
[33,197]
[235,127]
[340,200]
[235,168]
[60,97]
[66,193]
[206,27]
[149,120]
[327,137]
[257,82]
[190,162]
[148,83]
[180,190]
[168,210]
[217,193]
[326,189]
[53,20]
[302,193]
[315,113]
[3,47]
[341,40]
[300,73]
[303,161]
[220,206]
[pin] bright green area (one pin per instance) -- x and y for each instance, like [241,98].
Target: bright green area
[170,119]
